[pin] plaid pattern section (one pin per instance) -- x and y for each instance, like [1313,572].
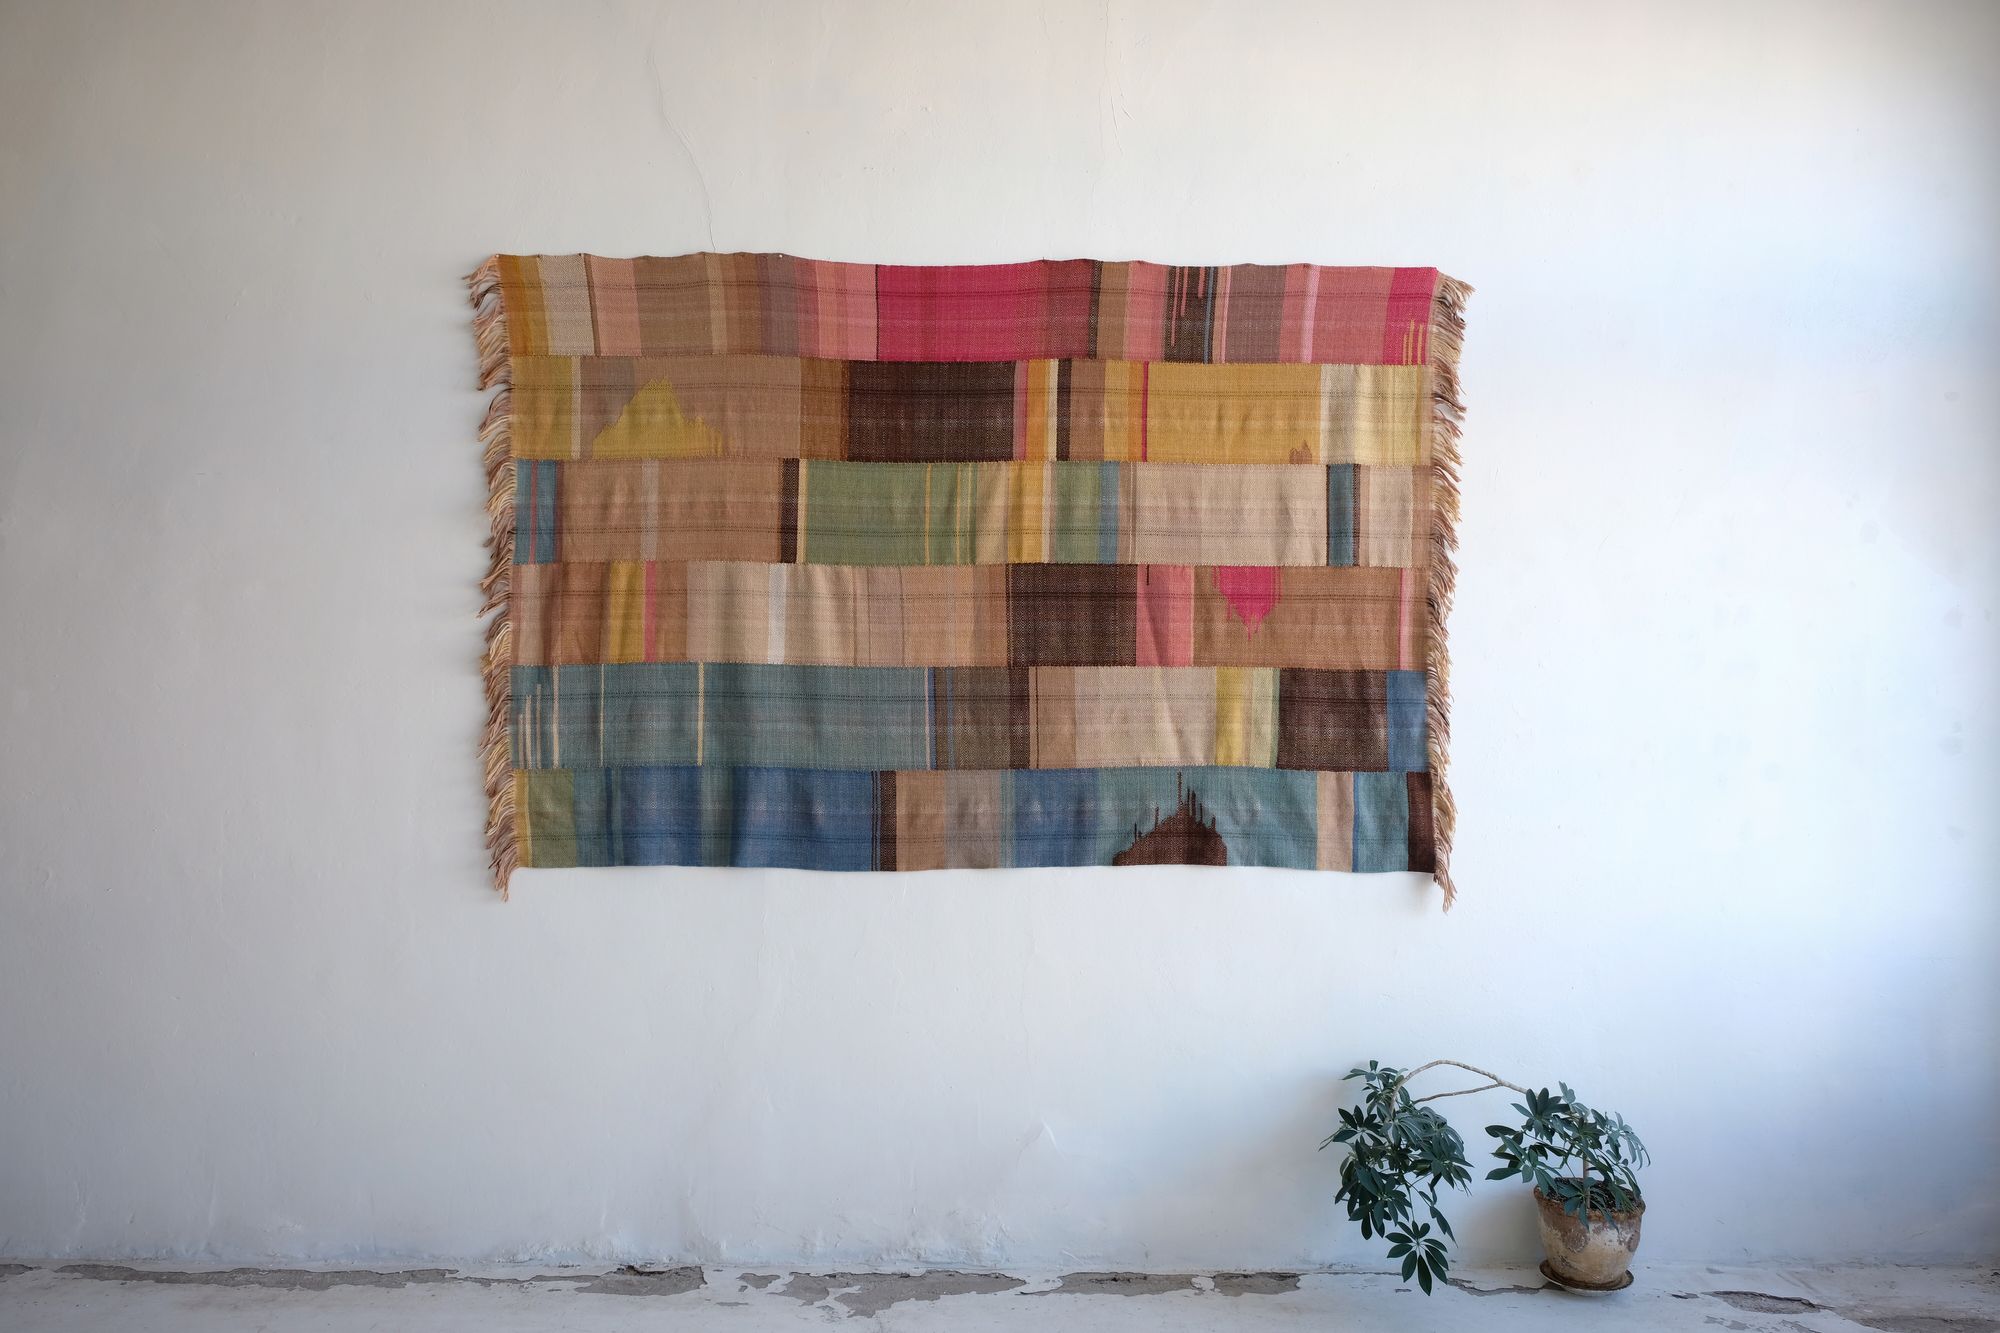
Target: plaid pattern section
[580,612]
[868,567]
[844,513]
[1081,309]
[715,815]
[761,716]
[764,408]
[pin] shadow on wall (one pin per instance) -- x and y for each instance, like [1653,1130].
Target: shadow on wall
[1250,1174]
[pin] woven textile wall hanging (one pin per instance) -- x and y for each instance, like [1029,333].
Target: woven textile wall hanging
[867,567]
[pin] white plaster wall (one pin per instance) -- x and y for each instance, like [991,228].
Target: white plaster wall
[1726,642]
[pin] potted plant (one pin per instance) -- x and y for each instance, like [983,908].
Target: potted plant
[1581,1162]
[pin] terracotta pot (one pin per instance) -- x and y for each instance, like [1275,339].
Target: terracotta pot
[1593,1252]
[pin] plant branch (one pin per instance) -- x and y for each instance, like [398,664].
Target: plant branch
[1460,1092]
[1498,1082]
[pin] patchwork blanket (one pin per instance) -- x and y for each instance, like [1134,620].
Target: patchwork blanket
[870,567]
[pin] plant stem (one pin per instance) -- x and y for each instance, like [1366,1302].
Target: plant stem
[1498,1082]
[1458,1092]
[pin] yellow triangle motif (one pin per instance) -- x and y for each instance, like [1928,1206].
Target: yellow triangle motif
[653,426]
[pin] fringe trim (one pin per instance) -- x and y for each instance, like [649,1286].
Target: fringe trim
[489,327]
[1447,337]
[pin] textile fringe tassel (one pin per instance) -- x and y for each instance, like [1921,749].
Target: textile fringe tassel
[489,327]
[1447,336]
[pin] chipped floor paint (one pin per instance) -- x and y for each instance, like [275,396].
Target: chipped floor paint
[115,1298]
[627,1281]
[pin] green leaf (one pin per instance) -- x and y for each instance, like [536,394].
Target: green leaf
[1409,1267]
[1424,1278]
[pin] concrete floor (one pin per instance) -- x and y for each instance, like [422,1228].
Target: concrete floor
[107,1298]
